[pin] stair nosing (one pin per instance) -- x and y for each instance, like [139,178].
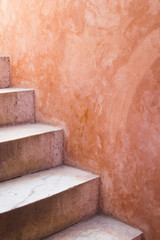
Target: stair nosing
[15,90]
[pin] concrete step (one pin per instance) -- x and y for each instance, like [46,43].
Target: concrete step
[4,72]
[99,227]
[29,148]
[17,105]
[38,205]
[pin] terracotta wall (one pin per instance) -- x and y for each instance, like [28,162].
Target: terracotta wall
[95,65]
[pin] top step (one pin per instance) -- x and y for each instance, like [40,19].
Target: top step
[4,72]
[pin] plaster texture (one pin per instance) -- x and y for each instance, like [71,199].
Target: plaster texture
[99,227]
[4,72]
[17,106]
[29,148]
[95,67]
[32,206]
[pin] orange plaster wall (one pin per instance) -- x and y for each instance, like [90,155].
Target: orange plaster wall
[95,65]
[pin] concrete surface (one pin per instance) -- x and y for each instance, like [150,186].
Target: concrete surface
[4,72]
[40,204]
[17,105]
[99,227]
[29,148]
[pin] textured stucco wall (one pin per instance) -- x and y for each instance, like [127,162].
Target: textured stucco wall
[95,65]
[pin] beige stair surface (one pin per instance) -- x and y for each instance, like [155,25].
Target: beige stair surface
[99,227]
[37,205]
[17,105]
[29,148]
[4,72]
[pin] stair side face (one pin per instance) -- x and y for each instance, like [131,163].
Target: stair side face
[17,107]
[99,227]
[52,214]
[4,72]
[31,154]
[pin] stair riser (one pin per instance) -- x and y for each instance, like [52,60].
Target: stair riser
[41,219]
[4,72]
[17,107]
[31,154]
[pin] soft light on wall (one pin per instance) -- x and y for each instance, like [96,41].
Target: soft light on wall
[95,66]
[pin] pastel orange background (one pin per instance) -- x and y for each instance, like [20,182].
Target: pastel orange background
[95,66]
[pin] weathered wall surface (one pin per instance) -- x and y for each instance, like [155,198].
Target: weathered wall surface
[95,65]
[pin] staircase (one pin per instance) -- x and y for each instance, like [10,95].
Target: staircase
[39,195]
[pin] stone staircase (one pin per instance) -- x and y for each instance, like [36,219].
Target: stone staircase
[39,195]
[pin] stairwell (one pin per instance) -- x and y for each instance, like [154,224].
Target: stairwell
[40,197]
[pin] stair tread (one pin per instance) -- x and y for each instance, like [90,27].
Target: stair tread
[12,90]
[99,227]
[12,133]
[31,188]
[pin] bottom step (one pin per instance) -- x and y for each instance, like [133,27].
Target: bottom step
[99,227]
[38,205]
